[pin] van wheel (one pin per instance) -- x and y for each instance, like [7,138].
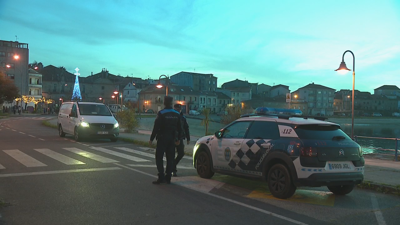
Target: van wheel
[341,189]
[77,137]
[280,182]
[114,139]
[61,131]
[203,165]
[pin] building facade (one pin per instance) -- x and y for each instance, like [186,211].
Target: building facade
[197,81]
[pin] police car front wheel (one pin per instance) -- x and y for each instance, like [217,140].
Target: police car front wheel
[280,182]
[203,165]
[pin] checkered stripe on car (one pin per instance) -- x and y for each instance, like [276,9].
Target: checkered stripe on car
[248,156]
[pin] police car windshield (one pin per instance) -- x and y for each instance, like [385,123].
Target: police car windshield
[320,132]
[94,110]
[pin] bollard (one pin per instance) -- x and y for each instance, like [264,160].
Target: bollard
[395,153]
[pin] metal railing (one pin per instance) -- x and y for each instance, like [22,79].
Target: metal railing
[382,151]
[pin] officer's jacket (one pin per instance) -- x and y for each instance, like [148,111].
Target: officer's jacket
[185,125]
[167,124]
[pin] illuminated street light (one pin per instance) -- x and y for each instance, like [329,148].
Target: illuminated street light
[16,57]
[343,70]
[159,85]
[116,94]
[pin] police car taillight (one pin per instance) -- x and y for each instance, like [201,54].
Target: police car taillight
[308,152]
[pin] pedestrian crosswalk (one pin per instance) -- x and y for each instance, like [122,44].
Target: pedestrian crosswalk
[30,158]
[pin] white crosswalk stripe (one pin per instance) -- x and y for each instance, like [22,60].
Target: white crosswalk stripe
[136,152]
[90,155]
[125,156]
[23,158]
[59,157]
[2,167]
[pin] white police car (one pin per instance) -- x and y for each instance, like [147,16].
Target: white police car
[286,151]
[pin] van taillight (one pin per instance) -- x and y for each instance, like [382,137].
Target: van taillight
[308,152]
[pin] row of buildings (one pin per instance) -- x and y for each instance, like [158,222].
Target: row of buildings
[195,91]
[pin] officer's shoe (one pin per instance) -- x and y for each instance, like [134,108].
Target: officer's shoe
[174,174]
[158,181]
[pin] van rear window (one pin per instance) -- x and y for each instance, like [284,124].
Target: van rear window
[320,132]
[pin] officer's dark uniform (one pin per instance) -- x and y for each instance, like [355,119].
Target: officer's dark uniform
[167,129]
[185,135]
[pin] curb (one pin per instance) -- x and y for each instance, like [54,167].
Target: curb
[382,188]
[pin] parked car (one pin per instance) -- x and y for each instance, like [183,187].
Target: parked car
[193,112]
[396,114]
[287,152]
[376,114]
[87,119]
[149,111]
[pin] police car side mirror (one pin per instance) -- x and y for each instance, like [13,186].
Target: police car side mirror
[218,134]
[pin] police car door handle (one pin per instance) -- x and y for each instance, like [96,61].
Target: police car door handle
[237,143]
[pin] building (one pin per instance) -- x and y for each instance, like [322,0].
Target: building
[241,84]
[278,90]
[197,81]
[388,90]
[35,84]
[14,59]
[319,99]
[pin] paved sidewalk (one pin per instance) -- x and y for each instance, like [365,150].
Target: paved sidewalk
[380,174]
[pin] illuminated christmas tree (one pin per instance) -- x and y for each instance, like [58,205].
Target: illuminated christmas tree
[76,95]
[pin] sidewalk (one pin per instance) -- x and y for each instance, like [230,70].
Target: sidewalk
[380,174]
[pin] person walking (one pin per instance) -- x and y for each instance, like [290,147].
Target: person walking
[180,149]
[167,130]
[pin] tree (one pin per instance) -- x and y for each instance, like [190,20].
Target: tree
[205,122]
[233,113]
[8,90]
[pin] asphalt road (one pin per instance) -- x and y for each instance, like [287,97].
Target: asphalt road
[46,179]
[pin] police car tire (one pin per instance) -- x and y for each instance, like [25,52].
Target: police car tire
[203,165]
[341,189]
[60,131]
[280,182]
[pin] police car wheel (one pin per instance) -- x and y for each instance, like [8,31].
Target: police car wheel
[77,136]
[203,165]
[60,131]
[341,189]
[279,182]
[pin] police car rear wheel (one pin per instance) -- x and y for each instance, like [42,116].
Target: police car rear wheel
[203,165]
[341,189]
[279,182]
[61,131]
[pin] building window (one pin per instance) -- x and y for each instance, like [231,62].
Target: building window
[102,87]
[2,54]
[184,98]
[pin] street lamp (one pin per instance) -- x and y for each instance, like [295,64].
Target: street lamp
[116,94]
[159,85]
[343,70]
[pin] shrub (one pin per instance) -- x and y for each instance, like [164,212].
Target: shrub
[127,119]
[233,113]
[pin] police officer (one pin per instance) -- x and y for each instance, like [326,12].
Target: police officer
[185,135]
[167,130]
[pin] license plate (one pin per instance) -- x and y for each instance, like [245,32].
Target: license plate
[102,132]
[339,166]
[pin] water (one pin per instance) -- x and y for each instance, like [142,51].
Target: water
[374,128]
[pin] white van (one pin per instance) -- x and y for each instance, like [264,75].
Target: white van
[87,119]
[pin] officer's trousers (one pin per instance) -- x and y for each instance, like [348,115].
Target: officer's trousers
[165,145]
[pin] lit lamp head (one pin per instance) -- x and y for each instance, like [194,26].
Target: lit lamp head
[342,68]
[115,92]
[159,85]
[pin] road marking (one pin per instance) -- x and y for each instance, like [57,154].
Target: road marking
[58,172]
[23,158]
[59,157]
[21,132]
[41,139]
[137,152]
[13,130]
[154,166]
[377,211]
[194,183]
[31,136]
[90,155]
[2,167]
[125,156]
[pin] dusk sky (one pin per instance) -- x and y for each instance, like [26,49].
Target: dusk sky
[284,42]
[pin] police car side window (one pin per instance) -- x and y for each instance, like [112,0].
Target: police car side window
[236,130]
[263,130]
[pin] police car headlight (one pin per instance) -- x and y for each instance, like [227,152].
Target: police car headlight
[84,124]
[116,125]
[360,151]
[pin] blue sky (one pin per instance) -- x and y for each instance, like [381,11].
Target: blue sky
[284,42]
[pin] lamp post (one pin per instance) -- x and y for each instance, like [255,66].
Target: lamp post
[343,70]
[113,97]
[116,94]
[159,85]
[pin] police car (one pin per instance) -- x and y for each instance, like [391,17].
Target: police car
[286,151]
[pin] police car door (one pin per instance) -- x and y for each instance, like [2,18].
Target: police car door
[227,154]
[258,142]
